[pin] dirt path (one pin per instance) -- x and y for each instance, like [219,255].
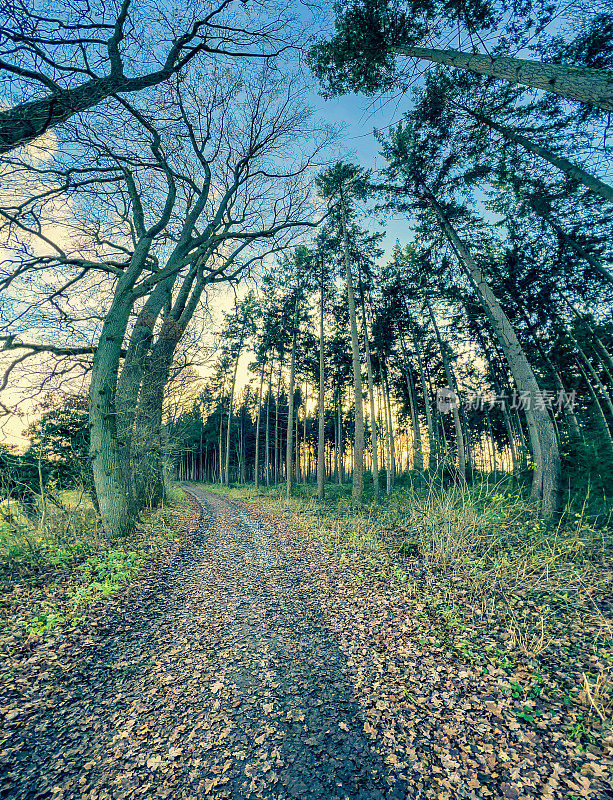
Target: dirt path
[217,677]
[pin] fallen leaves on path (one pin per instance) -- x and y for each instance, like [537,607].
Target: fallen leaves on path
[250,664]
[449,714]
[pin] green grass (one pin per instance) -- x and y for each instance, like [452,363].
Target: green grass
[485,532]
[54,567]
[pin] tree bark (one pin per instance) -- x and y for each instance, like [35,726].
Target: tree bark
[573,171]
[256,466]
[131,377]
[111,490]
[321,453]
[546,484]
[149,468]
[371,395]
[25,122]
[418,453]
[583,84]
[231,406]
[457,422]
[432,456]
[277,401]
[267,435]
[109,480]
[289,446]
[357,490]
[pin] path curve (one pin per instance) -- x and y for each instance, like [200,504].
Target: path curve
[218,677]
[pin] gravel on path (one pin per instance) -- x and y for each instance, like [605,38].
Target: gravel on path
[216,677]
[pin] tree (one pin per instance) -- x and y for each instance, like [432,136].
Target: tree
[239,326]
[370,34]
[232,170]
[406,159]
[343,184]
[79,57]
[61,438]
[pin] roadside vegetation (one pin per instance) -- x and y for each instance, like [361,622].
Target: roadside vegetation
[489,582]
[56,563]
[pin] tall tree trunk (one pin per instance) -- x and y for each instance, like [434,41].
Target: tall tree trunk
[297,451]
[289,447]
[432,456]
[492,445]
[371,395]
[583,84]
[25,122]
[357,490]
[546,483]
[112,493]
[256,465]
[387,412]
[131,377]
[220,447]
[230,409]
[111,490]
[321,430]
[418,453]
[341,441]
[277,401]
[567,167]
[305,447]
[457,422]
[149,469]
[267,434]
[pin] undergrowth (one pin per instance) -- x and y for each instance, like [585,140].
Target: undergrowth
[54,566]
[500,585]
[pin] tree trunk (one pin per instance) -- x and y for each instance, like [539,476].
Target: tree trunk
[220,464]
[567,167]
[149,451]
[457,422]
[341,441]
[305,448]
[267,435]
[432,456]
[25,122]
[112,493]
[289,447]
[256,466]
[418,453]
[583,84]
[546,483]
[390,461]
[371,395]
[277,401]
[231,406]
[357,490]
[321,430]
[111,490]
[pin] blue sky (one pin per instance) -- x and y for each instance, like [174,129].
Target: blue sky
[358,116]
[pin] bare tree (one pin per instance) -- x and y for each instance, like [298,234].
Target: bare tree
[77,55]
[216,192]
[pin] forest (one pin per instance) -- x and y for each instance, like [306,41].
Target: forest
[327,286]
